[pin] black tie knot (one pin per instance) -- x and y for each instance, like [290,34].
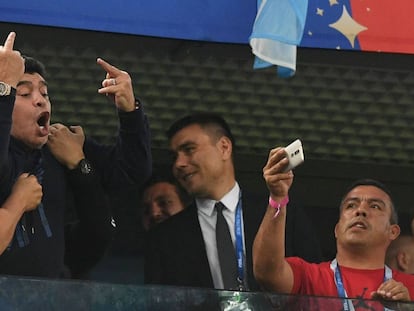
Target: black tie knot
[219,207]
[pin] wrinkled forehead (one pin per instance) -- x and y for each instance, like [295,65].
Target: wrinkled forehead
[368,193]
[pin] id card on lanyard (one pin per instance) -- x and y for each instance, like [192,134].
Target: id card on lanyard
[239,245]
[347,303]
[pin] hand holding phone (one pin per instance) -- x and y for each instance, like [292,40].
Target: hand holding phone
[295,154]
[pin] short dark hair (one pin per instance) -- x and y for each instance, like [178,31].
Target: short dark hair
[205,120]
[167,178]
[32,65]
[379,185]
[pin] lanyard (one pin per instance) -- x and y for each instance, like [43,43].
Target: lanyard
[239,243]
[22,236]
[348,306]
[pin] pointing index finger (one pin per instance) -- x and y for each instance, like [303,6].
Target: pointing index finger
[110,69]
[9,43]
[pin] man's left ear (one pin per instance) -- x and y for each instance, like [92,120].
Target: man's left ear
[226,146]
[394,231]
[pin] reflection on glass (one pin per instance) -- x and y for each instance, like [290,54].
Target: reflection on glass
[38,294]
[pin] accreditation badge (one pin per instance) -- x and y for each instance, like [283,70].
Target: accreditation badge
[235,303]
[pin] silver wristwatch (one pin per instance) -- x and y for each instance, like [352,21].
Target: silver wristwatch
[5,89]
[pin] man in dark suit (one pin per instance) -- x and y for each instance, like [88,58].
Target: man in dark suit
[183,250]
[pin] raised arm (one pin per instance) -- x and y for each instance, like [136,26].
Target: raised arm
[11,70]
[270,268]
[11,62]
[129,161]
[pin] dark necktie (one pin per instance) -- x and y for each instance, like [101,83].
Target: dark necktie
[225,249]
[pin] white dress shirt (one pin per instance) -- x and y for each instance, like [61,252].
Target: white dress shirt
[207,216]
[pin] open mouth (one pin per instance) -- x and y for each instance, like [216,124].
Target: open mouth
[43,119]
[187,177]
[43,122]
[359,224]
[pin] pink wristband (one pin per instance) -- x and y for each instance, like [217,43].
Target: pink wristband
[278,205]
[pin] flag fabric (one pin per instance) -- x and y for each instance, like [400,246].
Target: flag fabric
[369,25]
[228,21]
[277,31]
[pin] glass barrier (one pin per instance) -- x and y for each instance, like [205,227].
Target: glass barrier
[38,294]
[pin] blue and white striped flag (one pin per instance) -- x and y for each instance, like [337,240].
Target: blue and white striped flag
[277,30]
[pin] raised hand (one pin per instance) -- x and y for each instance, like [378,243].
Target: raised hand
[11,62]
[66,144]
[278,182]
[118,86]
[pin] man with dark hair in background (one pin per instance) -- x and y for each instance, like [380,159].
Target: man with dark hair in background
[161,199]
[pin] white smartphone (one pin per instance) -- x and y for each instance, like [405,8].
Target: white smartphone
[295,154]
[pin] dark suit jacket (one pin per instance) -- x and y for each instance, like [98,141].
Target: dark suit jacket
[175,253]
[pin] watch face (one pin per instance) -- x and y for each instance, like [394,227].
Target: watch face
[85,167]
[3,89]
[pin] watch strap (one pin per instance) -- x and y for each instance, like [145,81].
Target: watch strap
[7,89]
[84,166]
